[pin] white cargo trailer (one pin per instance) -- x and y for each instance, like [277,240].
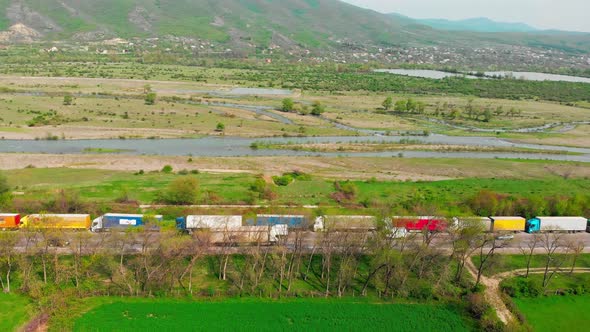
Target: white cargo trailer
[563,224]
[213,222]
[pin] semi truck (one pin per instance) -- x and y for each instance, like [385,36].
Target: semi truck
[192,223]
[556,224]
[57,221]
[9,220]
[114,221]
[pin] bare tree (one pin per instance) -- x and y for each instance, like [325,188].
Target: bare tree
[487,246]
[8,241]
[551,242]
[529,250]
[576,248]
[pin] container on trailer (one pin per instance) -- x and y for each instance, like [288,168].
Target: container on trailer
[9,220]
[111,221]
[209,222]
[563,224]
[293,221]
[58,221]
[484,222]
[345,223]
[508,224]
[419,224]
[249,234]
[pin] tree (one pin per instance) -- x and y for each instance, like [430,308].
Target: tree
[182,191]
[220,127]
[317,108]
[5,191]
[68,100]
[529,251]
[387,103]
[487,115]
[411,105]
[551,242]
[150,98]
[288,105]
[401,106]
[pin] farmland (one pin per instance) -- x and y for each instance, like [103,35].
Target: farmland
[270,316]
[540,312]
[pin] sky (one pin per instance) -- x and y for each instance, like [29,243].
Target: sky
[572,15]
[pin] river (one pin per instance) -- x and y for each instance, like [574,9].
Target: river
[236,147]
[529,76]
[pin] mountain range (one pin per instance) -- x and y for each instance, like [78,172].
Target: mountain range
[319,24]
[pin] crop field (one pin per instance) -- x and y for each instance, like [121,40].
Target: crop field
[270,316]
[18,310]
[541,313]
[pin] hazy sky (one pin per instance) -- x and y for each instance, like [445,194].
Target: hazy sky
[571,15]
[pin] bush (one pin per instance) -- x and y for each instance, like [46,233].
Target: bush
[522,287]
[167,169]
[283,181]
[182,191]
[478,306]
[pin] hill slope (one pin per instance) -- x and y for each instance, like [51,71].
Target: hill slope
[481,24]
[245,24]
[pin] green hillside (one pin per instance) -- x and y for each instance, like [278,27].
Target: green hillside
[251,23]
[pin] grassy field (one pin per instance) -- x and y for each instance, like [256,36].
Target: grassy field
[270,316]
[106,185]
[17,311]
[556,313]
[116,103]
[516,262]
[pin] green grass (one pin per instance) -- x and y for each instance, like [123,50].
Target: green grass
[556,313]
[235,188]
[17,310]
[269,316]
[516,262]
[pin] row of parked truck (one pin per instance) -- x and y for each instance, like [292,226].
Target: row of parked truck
[113,221]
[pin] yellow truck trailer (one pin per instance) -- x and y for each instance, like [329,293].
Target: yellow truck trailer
[57,221]
[508,224]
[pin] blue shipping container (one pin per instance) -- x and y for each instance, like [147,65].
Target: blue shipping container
[118,221]
[291,221]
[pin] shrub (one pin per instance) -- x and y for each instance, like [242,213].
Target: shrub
[181,191]
[283,181]
[522,287]
[167,169]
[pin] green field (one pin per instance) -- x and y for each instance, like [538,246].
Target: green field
[556,313]
[449,196]
[17,311]
[516,262]
[270,316]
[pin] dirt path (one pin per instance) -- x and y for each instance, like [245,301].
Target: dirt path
[37,324]
[492,283]
[492,293]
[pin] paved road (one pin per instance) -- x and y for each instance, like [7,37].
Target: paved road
[311,241]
